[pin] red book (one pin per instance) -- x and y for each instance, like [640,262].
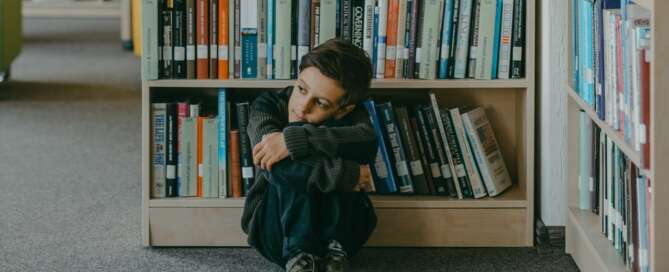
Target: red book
[235,165]
[391,32]
[202,38]
[645,109]
[223,39]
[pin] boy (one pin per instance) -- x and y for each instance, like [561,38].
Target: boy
[313,205]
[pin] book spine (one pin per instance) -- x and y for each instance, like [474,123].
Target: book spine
[432,162]
[446,185]
[447,161]
[402,36]
[190,39]
[357,23]
[179,35]
[505,40]
[171,151]
[411,150]
[391,41]
[454,38]
[462,43]
[394,143]
[303,29]
[223,39]
[222,142]
[496,39]
[484,52]
[456,157]
[585,141]
[202,37]
[261,62]
[475,180]
[413,38]
[271,32]
[327,20]
[283,35]
[158,148]
[474,39]
[422,151]
[381,39]
[246,161]
[238,40]
[168,63]
[151,49]
[213,39]
[199,157]
[345,20]
[235,165]
[445,39]
[182,177]
[231,39]
[407,36]
[294,28]
[249,33]
[598,26]
[368,31]
[315,23]
[375,40]
[382,170]
[429,39]
[210,158]
[190,153]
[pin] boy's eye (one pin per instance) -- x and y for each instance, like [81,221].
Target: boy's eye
[322,104]
[302,90]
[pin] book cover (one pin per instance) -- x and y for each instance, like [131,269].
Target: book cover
[190,155]
[202,39]
[381,168]
[412,151]
[246,160]
[486,151]
[158,149]
[462,42]
[474,39]
[200,155]
[484,51]
[504,63]
[357,22]
[413,38]
[400,50]
[222,144]
[496,39]
[151,33]
[394,144]
[422,152]
[445,39]
[190,39]
[368,30]
[431,28]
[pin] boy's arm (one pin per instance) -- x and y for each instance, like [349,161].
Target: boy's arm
[325,174]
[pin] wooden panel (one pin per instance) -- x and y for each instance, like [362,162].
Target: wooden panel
[586,244]
[196,227]
[450,227]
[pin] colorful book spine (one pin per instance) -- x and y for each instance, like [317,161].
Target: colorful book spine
[394,143]
[199,157]
[504,63]
[202,37]
[158,148]
[223,39]
[222,142]
[231,39]
[391,41]
[249,36]
[182,178]
[382,170]
[496,39]
[445,39]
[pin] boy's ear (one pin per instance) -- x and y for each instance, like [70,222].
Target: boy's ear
[343,111]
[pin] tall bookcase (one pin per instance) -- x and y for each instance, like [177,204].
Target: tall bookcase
[430,221]
[585,242]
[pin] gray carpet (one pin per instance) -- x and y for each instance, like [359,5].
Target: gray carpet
[70,171]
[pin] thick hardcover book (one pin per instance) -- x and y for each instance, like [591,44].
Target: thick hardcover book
[223,39]
[235,165]
[303,29]
[261,63]
[246,160]
[447,185]
[357,22]
[150,37]
[413,39]
[445,39]
[486,152]
[222,139]
[179,37]
[391,40]
[412,151]
[213,39]
[456,155]
[158,149]
[210,157]
[171,152]
[327,21]
[190,39]
[504,62]
[202,38]
[282,44]
[345,19]
[166,12]
[475,180]
[394,143]
[382,169]
[474,38]
[462,42]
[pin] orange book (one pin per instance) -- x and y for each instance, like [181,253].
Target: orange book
[200,121]
[202,39]
[223,41]
[235,165]
[391,32]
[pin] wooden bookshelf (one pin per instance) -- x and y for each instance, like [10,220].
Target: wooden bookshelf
[591,250]
[425,221]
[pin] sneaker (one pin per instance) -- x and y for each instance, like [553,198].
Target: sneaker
[336,259]
[303,262]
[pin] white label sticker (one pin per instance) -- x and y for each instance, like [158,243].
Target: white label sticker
[200,170]
[202,52]
[402,168]
[436,173]
[445,51]
[390,52]
[517,53]
[179,53]
[213,51]
[190,52]
[171,172]
[262,50]
[223,52]
[592,184]
[380,166]
[167,53]
[446,171]
[293,52]
[247,172]
[416,168]
[460,169]
[418,54]
[642,134]
[238,53]
[406,53]
[399,52]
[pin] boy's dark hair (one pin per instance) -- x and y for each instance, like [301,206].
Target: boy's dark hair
[345,63]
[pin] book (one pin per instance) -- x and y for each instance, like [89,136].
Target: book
[202,39]
[422,152]
[368,30]
[151,34]
[345,28]
[585,168]
[210,181]
[486,39]
[391,40]
[431,26]
[382,170]
[475,181]
[400,50]
[486,152]
[456,155]
[474,39]
[213,39]
[249,35]
[261,62]
[167,45]
[158,149]
[271,32]
[444,57]
[190,155]
[235,165]
[303,29]
[182,178]
[504,63]
[393,141]
[413,39]
[223,127]
[327,21]
[179,38]
[246,160]
[190,39]
[282,46]
[238,40]
[381,32]
[462,39]
[446,185]
[171,150]
[357,23]
[223,39]
[413,155]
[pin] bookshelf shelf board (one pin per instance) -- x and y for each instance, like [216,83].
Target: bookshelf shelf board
[376,84]
[588,246]
[513,198]
[647,4]
[610,132]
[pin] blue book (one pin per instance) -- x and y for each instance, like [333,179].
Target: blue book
[587,74]
[445,39]
[495,45]
[381,168]
[392,136]
[249,53]
[642,223]
[222,143]
[375,39]
[270,39]
[575,37]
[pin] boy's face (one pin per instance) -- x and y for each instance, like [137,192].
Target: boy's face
[316,98]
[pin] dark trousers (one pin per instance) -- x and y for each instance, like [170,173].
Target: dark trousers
[292,219]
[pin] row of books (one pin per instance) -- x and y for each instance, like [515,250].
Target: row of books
[611,70]
[614,188]
[427,149]
[265,39]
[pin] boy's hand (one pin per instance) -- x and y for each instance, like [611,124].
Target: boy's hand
[365,180]
[270,150]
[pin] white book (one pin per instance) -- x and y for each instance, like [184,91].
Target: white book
[462,42]
[189,127]
[505,40]
[475,179]
[282,45]
[231,39]
[327,21]
[484,50]
[150,39]
[486,151]
[381,39]
[158,147]
[210,157]
[430,32]
[450,168]
[368,30]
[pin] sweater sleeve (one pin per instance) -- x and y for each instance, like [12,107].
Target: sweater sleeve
[321,173]
[353,142]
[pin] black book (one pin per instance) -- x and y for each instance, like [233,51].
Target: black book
[422,151]
[246,159]
[414,29]
[190,39]
[166,17]
[446,185]
[358,25]
[458,160]
[418,174]
[179,38]
[518,40]
[454,37]
[394,142]
[293,39]
[346,20]
[171,152]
